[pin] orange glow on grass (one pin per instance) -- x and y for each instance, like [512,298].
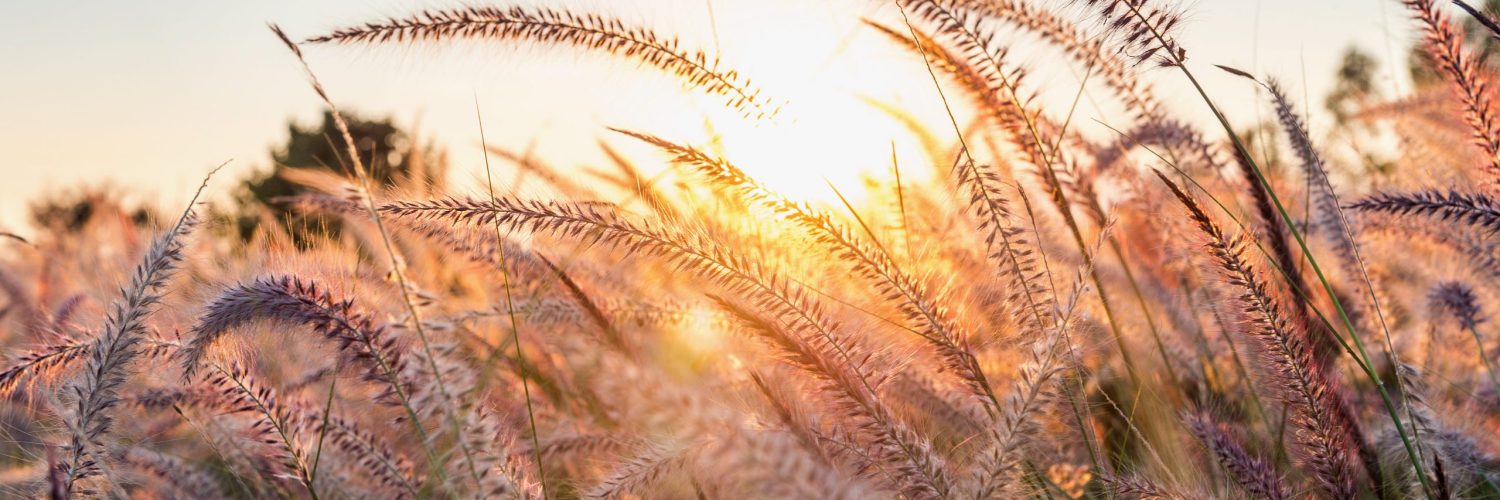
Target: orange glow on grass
[826,75]
[702,332]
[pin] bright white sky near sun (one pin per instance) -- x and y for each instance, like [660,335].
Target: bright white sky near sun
[150,95]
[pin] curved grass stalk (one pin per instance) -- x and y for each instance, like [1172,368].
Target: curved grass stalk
[1026,127]
[544,25]
[1477,210]
[1083,48]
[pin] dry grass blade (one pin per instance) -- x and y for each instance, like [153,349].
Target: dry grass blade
[434,374]
[612,335]
[1142,488]
[691,252]
[1084,48]
[646,467]
[1019,421]
[1009,244]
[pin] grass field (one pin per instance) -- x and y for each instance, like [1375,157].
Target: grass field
[1042,308]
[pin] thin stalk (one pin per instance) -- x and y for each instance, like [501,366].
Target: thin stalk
[901,202]
[1114,243]
[515,328]
[1489,364]
[323,429]
[989,392]
[1135,288]
[1032,305]
[1250,236]
[225,459]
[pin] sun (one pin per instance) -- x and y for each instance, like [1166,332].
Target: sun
[838,123]
[835,140]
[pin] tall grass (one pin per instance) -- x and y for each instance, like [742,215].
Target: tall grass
[1058,314]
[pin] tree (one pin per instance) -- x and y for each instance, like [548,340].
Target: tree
[72,210]
[391,155]
[1353,82]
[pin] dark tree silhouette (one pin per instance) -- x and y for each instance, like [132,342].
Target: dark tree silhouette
[392,156]
[72,210]
[1354,81]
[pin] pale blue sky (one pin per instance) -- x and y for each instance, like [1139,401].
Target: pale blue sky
[150,95]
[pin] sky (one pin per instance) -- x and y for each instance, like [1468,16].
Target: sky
[149,96]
